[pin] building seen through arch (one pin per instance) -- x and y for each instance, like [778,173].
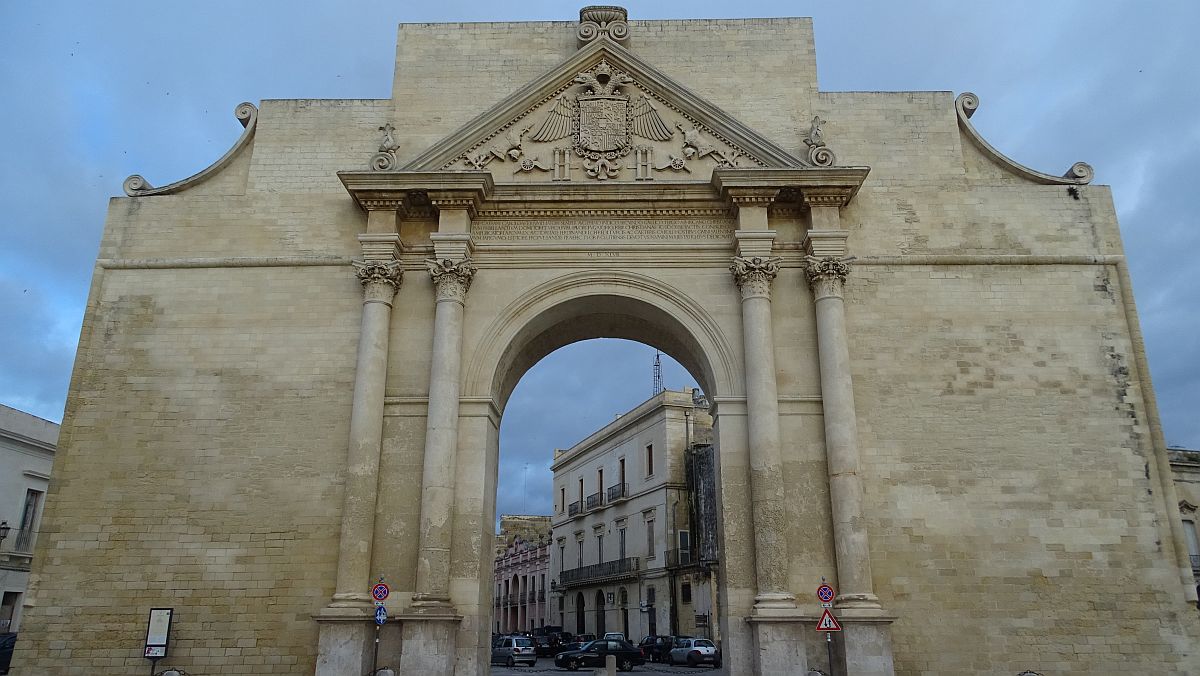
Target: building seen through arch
[650,527]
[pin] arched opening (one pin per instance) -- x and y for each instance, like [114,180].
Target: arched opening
[603,543]
[580,622]
[600,625]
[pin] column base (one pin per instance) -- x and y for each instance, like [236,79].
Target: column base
[431,604]
[428,644]
[780,600]
[864,601]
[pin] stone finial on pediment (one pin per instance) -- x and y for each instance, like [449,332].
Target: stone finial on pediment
[603,20]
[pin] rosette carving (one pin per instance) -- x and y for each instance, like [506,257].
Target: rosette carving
[450,279]
[827,276]
[380,279]
[754,275]
[600,20]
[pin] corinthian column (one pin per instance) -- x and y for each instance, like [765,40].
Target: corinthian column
[754,276]
[827,278]
[451,280]
[380,280]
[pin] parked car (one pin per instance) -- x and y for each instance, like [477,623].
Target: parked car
[7,641]
[508,650]
[584,638]
[694,651]
[614,634]
[545,646]
[655,647]
[592,654]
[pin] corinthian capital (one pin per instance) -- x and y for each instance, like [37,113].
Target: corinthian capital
[380,279]
[827,276]
[754,275]
[451,279]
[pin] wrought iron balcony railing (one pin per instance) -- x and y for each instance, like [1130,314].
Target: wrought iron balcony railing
[24,541]
[620,568]
[573,508]
[618,491]
[1195,561]
[595,500]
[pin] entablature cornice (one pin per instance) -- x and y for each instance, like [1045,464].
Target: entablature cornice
[811,186]
[414,193]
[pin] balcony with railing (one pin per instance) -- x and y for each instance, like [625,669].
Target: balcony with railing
[595,500]
[678,558]
[617,492]
[23,543]
[541,595]
[574,508]
[597,572]
[1195,562]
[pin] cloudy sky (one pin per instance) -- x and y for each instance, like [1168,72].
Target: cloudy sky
[95,91]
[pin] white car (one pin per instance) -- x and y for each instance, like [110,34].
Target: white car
[694,652]
[614,635]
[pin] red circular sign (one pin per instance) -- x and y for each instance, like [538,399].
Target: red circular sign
[825,593]
[380,591]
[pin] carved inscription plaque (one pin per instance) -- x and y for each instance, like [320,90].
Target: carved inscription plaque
[608,230]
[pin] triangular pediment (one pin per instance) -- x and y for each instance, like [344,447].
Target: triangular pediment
[603,115]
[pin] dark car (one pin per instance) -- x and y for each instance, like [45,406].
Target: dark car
[546,645]
[7,641]
[655,648]
[592,654]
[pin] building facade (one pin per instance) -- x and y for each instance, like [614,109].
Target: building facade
[625,554]
[522,571]
[27,446]
[926,374]
[1185,469]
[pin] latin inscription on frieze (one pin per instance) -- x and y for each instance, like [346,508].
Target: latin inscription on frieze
[612,230]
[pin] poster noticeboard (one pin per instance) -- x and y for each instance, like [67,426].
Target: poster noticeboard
[158,631]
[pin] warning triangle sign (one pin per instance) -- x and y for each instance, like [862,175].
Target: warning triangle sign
[828,622]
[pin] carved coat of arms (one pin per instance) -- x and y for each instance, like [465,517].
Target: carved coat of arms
[603,120]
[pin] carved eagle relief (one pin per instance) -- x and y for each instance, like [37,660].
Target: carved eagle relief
[603,119]
[601,110]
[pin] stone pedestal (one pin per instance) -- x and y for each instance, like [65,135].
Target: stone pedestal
[864,649]
[344,646]
[428,644]
[780,647]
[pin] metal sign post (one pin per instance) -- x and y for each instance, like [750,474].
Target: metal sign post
[828,623]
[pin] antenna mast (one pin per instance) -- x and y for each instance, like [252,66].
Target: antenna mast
[658,383]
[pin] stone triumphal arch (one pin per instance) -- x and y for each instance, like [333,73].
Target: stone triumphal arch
[923,360]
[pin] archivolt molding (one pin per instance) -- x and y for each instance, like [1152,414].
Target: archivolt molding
[967,103]
[495,341]
[246,113]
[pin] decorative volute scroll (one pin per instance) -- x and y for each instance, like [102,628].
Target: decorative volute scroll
[246,113]
[826,275]
[967,103]
[606,20]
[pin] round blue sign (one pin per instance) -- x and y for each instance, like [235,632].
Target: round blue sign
[825,593]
